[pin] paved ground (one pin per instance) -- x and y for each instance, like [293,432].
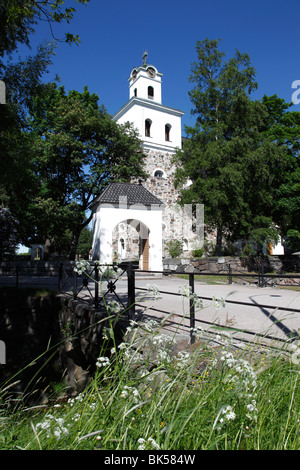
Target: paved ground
[264,316]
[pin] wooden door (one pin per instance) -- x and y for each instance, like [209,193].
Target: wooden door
[145,253]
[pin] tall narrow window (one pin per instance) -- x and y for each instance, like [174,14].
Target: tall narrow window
[147,127]
[167,132]
[135,92]
[150,92]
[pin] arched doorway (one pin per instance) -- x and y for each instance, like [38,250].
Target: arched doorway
[130,241]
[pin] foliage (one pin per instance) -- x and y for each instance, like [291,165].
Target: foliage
[78,149]
[18,182]
[175,248]
[85,243]
[233,158]
[19,17]
[149,394]
[8,233]
[197,252]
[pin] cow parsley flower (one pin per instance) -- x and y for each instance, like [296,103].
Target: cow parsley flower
[186,292]
[54,427]
[143,443]
[183,358]
[102,362]
[81,267]
[153,289]
[113,307]
[131,393]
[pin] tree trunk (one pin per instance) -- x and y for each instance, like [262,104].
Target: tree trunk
[74,244]
[47,249]
[218,250]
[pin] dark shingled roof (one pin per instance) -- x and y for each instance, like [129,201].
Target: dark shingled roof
[135,193]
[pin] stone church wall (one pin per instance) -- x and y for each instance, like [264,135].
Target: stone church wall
[176,224]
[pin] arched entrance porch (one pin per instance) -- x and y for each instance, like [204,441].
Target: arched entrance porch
[130,240]
[134,206]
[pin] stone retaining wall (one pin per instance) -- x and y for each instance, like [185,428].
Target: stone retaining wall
[50,338]
[243,265]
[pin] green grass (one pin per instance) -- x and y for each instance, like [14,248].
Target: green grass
[153,393]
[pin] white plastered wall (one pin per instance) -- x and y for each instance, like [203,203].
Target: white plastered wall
[107,216]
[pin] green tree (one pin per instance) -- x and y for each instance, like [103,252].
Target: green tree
[18,182]
[85,243]
[19,17]
[283,127]
[78,149]
[232,163]
[8,233]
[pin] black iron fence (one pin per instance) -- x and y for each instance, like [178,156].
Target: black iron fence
[262,282]
[85,286]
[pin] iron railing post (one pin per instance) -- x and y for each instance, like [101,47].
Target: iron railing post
[60,277]
[17,276]
[192,307]
[229,274]
[131,291]
[96,285]
[75,285]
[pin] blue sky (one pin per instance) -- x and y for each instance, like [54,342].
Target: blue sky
[115,33]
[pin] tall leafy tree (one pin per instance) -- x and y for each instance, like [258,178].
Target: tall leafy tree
[19,18]
[228,159]
[8,233]
[283,127]
[79,149]
[18,182]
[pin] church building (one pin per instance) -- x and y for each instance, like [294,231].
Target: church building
[159,128]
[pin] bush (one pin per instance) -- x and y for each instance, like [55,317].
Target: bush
[197,252]
[175,248]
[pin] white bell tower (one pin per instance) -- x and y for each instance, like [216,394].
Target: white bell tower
[159,126]
[159,129]
[145,83]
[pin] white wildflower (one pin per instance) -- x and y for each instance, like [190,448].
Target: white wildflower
[228,413]
[150,325]
[113,307]
[163,356]
[160,340]
[82,266]
[76,417]
[153,289]
[153,443]
[197,331]
[143,443]
[219,302]
[131,393]
[54,427]
[107,333]
[182,358]
[102,362]
[186,292]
